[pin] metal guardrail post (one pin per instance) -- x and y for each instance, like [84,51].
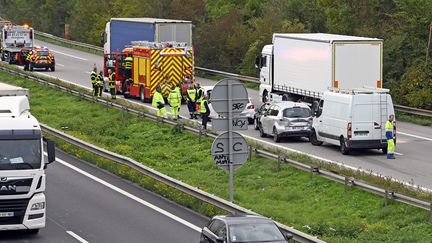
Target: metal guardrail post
[314,170]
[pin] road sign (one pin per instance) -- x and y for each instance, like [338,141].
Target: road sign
[220,97]
[221,154]
[223,124]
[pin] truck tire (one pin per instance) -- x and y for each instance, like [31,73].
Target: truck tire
[142,94]
[265,97]
[313,139]
[285,97]
[276,137]
[343,148]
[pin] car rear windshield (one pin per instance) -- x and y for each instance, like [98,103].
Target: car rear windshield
[255,232]
[43,53]
[297,112]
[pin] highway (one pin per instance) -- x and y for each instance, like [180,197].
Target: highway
[85,204]
[413,142]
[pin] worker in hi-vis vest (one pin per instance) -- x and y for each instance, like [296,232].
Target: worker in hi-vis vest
[159,102]
[390,137]
[173,100]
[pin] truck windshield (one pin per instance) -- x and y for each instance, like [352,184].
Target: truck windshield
[20,154]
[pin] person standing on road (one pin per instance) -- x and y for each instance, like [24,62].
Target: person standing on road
[390,137]
[191,102]
[200,94]
[159,102]
[99,84]
[93,78]
[111,84]
[173,100]
[28,59]
[205,111]
[128,66]
[179,94]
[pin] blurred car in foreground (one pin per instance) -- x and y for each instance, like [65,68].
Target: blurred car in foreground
[245,228]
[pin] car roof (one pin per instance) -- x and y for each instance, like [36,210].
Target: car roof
[238,219]
[289,104]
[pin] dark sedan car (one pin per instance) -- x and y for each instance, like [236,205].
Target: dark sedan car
[246,228]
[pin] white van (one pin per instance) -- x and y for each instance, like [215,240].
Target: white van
[352,120]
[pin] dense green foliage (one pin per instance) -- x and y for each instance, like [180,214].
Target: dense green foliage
[310,203]
[228,34]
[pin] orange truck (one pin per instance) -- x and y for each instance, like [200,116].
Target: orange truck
[153,65]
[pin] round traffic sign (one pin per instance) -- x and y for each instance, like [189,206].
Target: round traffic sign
[220,97]
[221,150]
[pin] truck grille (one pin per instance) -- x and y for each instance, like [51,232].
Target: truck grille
[15,186]
[17,206]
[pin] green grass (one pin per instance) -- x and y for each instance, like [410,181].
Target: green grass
[420,120]
[312,204]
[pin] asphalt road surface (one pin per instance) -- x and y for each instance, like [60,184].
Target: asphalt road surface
[412,165]
[86,204]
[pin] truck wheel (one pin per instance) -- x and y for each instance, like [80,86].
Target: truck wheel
[285,97]
[313,139]
[276,137]
[343,148]
[142,95]
[52,68]
[261,130]
[265,97]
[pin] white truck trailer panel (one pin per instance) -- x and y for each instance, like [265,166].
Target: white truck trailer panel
[319,62]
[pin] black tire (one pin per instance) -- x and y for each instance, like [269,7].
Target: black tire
[251,121]
[285,97]
[142,94]
[265,97]
[276,137]
[33,231]
[384,150]
[52,68]
[256,124]
[343,148]
[261,130]
[313,139]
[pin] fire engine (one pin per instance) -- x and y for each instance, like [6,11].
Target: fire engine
[13,39]
[153,64]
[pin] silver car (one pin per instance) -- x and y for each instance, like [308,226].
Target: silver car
[286,119]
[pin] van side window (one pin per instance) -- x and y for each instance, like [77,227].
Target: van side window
[320,108]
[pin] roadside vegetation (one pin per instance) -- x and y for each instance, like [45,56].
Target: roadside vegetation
[310,203]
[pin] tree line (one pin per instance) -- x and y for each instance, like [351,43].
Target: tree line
[228,34]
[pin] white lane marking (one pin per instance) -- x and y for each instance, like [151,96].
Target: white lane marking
[397,153]
[87,72]
[61,65]
[127,194]
[414,136]
[69,55]
[77,237]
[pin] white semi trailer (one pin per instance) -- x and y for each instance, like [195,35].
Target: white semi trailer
[22,163]
[303,66]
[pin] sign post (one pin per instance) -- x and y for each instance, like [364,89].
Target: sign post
[229,150]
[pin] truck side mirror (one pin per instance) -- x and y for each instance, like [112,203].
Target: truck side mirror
[50,150]
[258,62]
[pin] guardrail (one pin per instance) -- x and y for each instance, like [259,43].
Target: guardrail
[348,181]
[93,48]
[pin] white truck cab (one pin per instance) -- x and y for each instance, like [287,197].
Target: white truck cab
[22,163]
[354,119]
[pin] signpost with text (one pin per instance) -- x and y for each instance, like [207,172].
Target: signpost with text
[229,150]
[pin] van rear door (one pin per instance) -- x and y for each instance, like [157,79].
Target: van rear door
[369,111]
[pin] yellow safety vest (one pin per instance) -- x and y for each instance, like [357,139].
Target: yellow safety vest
[111,83]
[128,62]
[173,98]
[192,94]
[202,94]
[157,97]
[93,77]
[202,106]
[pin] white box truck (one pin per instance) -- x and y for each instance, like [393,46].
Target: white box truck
[353,120]
[22,163]
[303,66]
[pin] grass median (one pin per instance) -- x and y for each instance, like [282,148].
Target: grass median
[310,203]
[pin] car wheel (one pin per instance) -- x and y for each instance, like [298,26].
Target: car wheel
[261,130]
[343,148]
[313,139]
[276,137]
[256,125]
[251,121]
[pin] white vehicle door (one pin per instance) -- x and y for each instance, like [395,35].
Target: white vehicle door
[318,120]
[266,119]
